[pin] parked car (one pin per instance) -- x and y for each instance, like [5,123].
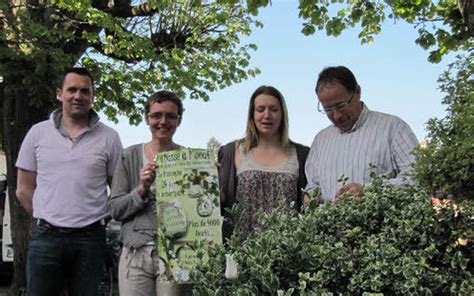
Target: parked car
[6,260]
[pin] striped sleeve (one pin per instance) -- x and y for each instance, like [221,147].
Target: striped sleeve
[310,168]
[403,143]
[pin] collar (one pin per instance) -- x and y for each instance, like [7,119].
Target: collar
[57,115]
[360,121]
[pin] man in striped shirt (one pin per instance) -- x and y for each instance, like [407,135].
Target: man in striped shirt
[358,142]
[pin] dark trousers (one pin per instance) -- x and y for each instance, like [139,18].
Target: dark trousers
[64,258]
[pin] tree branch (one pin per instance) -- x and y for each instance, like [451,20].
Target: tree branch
[124,9]
[164,40]
[100,49]
[466,8]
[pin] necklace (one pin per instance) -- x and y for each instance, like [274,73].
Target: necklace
[151,151]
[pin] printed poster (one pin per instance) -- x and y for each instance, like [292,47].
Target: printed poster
[188,209]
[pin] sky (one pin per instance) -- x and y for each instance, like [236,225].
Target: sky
[393,72]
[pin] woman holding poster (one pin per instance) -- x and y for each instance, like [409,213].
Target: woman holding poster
[133,202]
[265,169]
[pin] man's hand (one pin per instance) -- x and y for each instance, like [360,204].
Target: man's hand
[354,189]
[25,187]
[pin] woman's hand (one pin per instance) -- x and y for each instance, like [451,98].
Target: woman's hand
[147,176]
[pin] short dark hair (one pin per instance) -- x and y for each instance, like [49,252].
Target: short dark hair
[162,96]
[338,74]
[76,70]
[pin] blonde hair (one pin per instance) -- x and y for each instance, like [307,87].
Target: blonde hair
[251,138]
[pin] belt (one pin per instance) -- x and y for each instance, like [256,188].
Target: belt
[90,227]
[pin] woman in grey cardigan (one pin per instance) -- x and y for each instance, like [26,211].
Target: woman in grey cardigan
[132,200]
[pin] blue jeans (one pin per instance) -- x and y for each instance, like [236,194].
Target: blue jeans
[59,260]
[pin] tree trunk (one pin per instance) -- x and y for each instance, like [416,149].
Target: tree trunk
[466,7]
[18,116]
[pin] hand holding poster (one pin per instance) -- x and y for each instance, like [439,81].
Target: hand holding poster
[188,209]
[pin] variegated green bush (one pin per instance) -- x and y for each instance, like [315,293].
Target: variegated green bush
[393,241]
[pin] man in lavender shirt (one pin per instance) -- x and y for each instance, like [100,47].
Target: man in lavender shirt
[358,142]
[64,166]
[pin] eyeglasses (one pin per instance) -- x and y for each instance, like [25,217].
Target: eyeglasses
[165,115]
[338,107]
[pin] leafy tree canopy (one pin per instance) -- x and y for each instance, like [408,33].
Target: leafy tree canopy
[131,47]
[443,26]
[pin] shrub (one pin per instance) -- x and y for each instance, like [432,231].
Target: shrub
[447,164]
[392,241]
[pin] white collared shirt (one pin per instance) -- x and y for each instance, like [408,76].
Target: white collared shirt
[380,139]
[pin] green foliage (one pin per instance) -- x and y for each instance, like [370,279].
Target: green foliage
[391,242]
[447,164]
[440,24]
[191,47]
[132,48]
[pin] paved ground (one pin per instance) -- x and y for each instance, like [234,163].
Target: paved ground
[4,285]
[5,289]
[5,281]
